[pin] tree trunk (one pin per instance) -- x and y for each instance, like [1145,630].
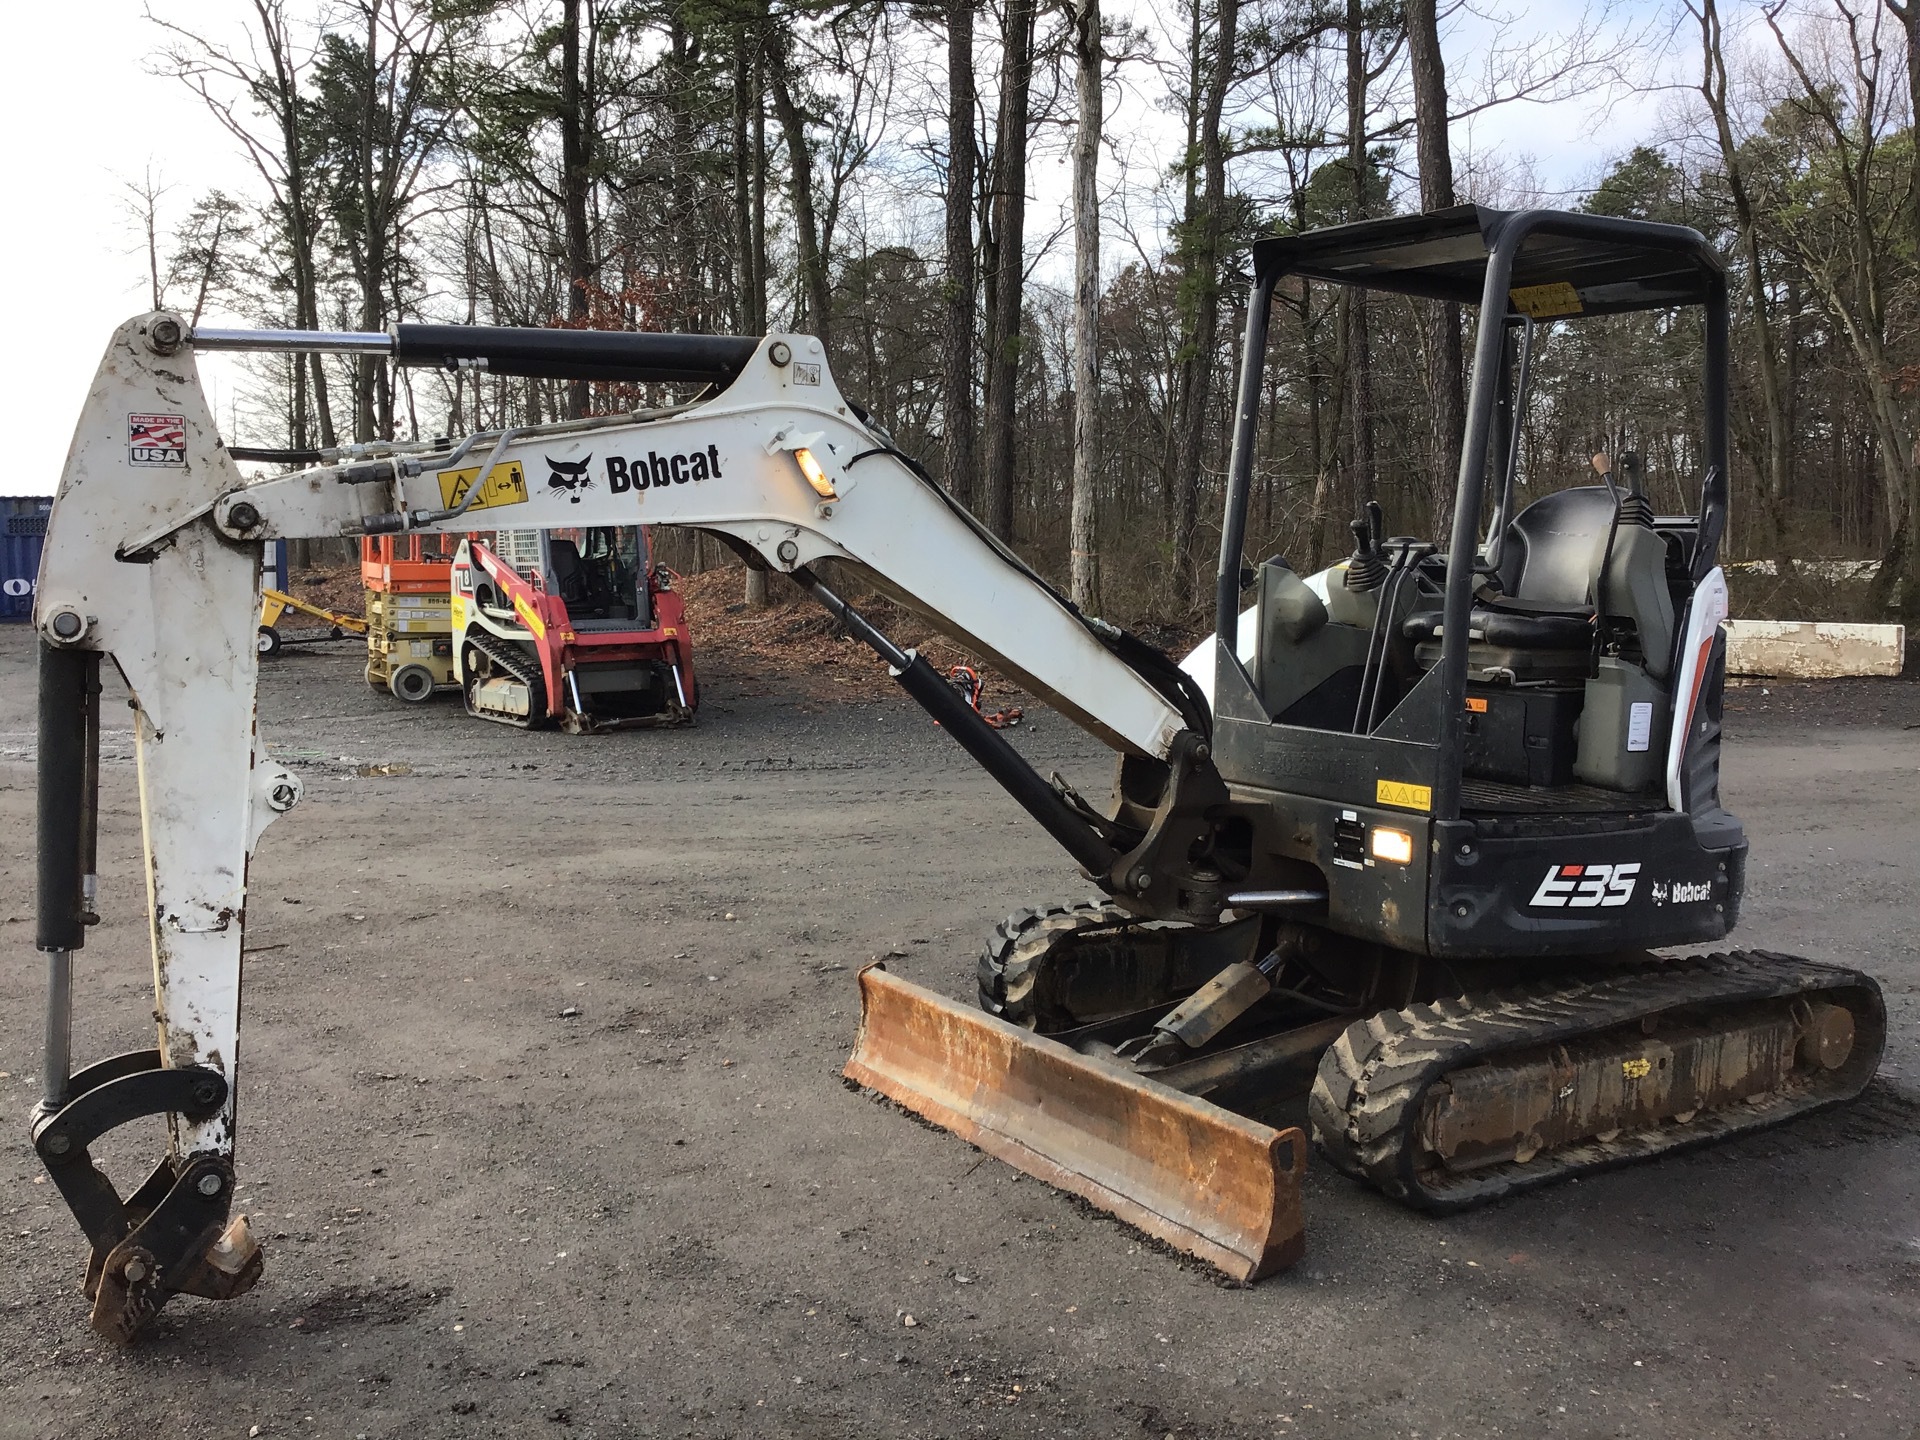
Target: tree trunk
[1200,280]
[749,178]
[1779,445]
[957,359]
[298,211]
[1442,320]
[372,257]
[759,289]
[816,291]
[683,62]
[576,183]
[1083,528]
[1009,278]
[1909,17]
[1359,359]
[1907,12]
[745,97]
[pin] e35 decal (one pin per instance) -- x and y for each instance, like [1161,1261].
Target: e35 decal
[1582,887]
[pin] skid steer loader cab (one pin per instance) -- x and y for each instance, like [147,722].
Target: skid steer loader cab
[1506,745]
[598,572]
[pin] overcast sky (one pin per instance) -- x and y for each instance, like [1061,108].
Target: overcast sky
[84,118]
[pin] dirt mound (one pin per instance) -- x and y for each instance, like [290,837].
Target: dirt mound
[792,640]
[332,586]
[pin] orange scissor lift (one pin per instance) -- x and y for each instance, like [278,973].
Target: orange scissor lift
[408,579]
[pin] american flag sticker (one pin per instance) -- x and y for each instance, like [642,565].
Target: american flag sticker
[157,440]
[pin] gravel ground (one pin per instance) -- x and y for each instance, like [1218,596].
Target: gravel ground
[664,1214]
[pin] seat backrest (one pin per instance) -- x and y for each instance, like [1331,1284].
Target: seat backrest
[1637,588]
[1554,547]
[1553,556]
[567,579]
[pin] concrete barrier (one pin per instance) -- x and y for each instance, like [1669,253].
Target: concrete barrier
[1813,649]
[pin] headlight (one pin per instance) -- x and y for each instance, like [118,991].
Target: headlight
[816,477]
[1386,843]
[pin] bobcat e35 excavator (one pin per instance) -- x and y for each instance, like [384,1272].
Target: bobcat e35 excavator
[1402,835]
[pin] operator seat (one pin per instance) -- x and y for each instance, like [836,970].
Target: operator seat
[1537,617]
[569,579]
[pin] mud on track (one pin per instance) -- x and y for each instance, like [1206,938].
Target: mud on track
[665,1215]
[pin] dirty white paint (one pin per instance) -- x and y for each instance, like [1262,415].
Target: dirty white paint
[1813,649]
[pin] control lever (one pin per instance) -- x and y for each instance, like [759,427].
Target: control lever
[1367,568]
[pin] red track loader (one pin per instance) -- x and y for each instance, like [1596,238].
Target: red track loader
[573,627]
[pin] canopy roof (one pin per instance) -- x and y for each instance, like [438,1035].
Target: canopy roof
[1612,265]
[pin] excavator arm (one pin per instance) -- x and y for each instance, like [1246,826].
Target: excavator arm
[152,561]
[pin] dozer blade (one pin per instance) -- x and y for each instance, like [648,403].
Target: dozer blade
[1204,1180]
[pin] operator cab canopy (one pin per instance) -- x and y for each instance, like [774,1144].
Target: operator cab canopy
[1617,267]
[1442,255]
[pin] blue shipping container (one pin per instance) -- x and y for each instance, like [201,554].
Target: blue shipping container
[23,525]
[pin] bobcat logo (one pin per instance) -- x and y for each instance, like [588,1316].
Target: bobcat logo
[569,475]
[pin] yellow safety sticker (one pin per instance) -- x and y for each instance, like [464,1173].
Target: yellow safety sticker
[1546,302]
[1636,1069]
[507,485]
[1477,704]
[1407,797]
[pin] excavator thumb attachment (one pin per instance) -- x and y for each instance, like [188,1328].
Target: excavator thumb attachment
[1204,1180]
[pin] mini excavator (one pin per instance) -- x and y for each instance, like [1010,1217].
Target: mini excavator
[1404,836]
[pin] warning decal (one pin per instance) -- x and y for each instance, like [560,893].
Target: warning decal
[157,440]
[506,485]
[1399,792]
[1546,302]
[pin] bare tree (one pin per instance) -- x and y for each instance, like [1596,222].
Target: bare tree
[1843,243]
[142,202]
[1908,14]
[957,351]
[1359,356]
[816,289]
[1083,525]
[1733,164]
[1202,241]
[1006,281]
[750,216]
[382,113]
[207,252]
[579,130]
[268,79]
[1428,71]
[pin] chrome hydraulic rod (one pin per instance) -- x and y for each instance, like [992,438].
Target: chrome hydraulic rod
[303,342]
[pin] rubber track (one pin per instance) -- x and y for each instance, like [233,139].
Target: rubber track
[1006,967]
[1366,1100]
[509,659]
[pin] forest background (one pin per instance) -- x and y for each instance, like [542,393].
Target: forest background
[1042,304]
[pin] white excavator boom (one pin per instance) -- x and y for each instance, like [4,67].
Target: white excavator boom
[152,560]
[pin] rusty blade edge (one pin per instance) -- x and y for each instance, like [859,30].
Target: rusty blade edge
[1260,1245]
